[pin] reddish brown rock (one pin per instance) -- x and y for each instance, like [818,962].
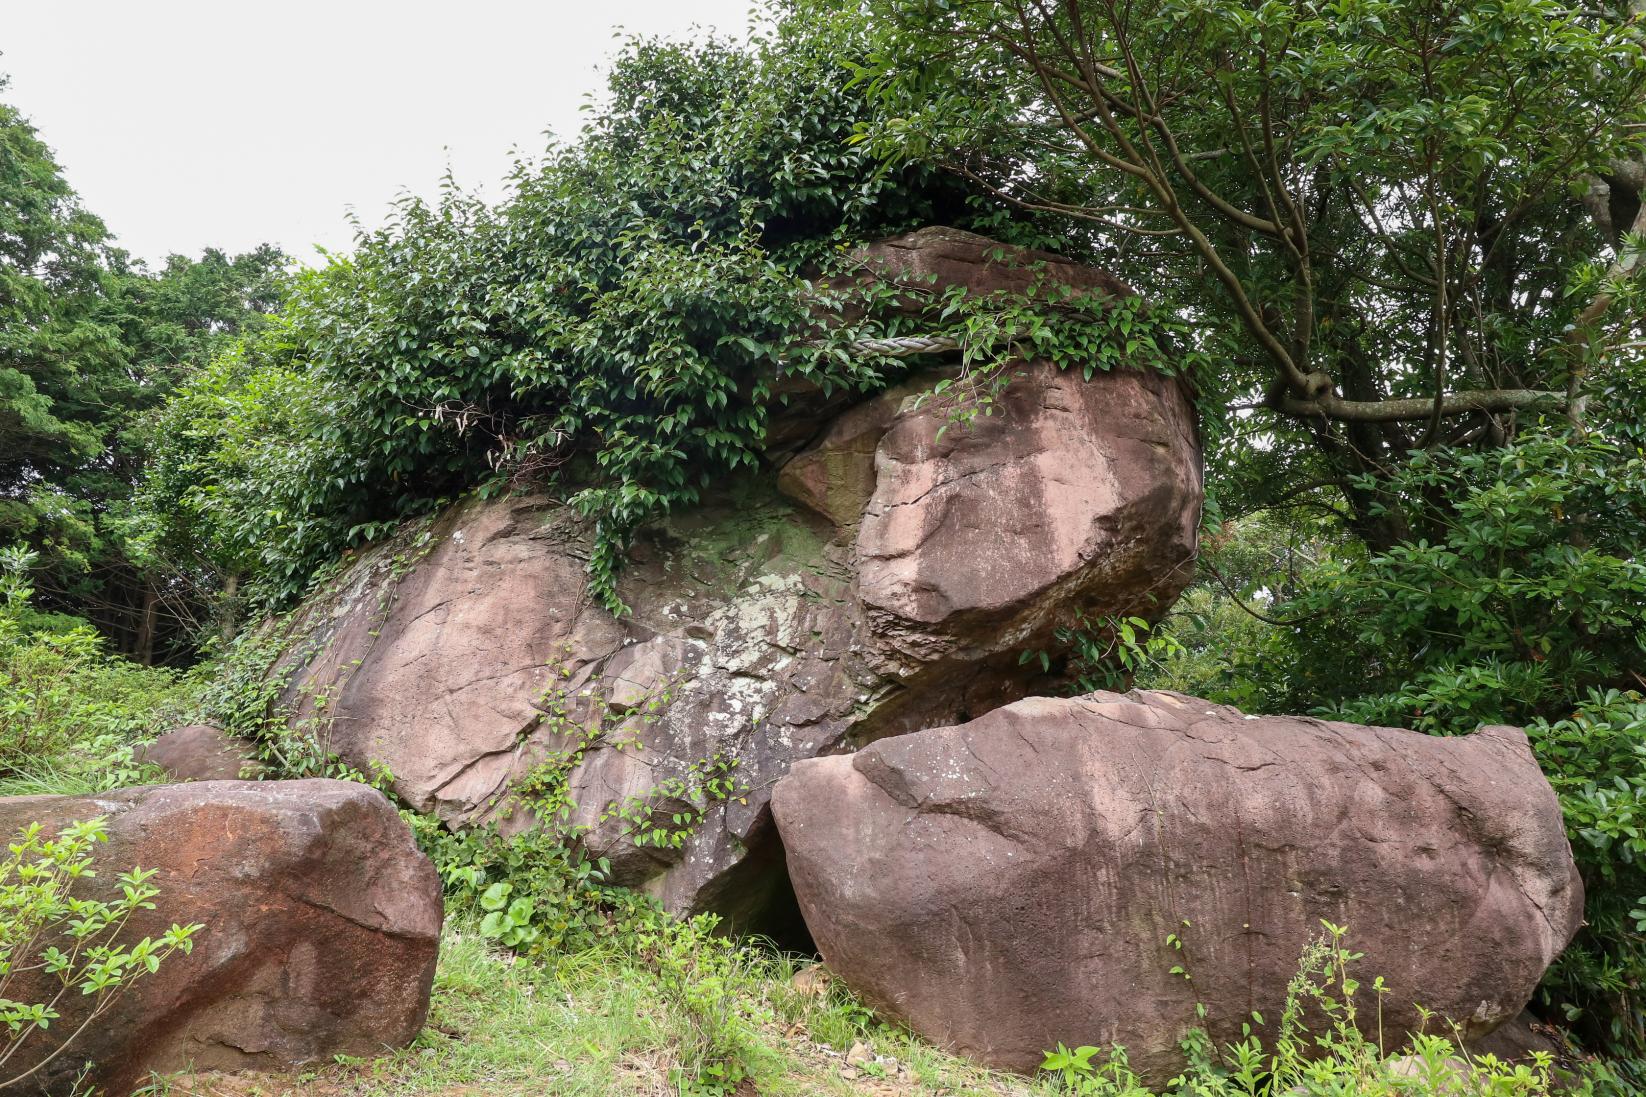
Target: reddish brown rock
[928,261]
[835,474]
[1072,493]
[1012,882]
[200,752]
[322,926]
[933,258]
[893,589]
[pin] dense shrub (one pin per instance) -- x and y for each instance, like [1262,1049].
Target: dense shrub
[65,701]
[1529,589]
[1526,589]
[1596,761]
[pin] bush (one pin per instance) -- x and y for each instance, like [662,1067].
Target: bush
[1525,589]
[1522,587]
[534,892]
[65,702]
[1596,761]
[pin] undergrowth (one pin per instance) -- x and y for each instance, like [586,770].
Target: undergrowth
[551,977]
[70,710]
[677,1010]
[1319,1048]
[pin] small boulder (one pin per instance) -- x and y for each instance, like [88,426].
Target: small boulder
[200,752]
[322,926]
[1013,882]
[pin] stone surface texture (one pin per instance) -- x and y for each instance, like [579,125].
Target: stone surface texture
[322,926]
[1010,883]
[885,579]
[200,752]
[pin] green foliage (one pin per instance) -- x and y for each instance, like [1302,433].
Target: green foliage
[667,814]
[1596,761]
[1532,590]
[49,253]
[638,1022]
[625,323]
[65,702]
[1317,1050]
[533,891]
[238,455]
[508,921]
[44,927]
[88,341]
[699,974]
[1108,654]
[1523,587]
[1363,206]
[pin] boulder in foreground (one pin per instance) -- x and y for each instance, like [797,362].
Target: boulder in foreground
[1010,883]
[322,926]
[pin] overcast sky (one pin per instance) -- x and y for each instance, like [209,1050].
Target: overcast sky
[193,123]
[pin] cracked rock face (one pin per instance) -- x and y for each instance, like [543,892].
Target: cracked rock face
[322,926]
[885,579]
[1072,493]
[1010,883]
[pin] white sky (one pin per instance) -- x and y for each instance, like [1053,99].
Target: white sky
[193,123]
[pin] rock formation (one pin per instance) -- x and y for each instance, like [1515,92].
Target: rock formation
[886,579]
[1012,882]
[322,925]
[200,752]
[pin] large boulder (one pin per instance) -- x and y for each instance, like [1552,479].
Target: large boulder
[1012,882]
[1072,494]
[322,927]
[883,576]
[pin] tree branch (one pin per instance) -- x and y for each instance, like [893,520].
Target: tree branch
[1492,401]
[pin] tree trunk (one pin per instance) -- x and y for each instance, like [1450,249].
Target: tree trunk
[146,625]
[228,614]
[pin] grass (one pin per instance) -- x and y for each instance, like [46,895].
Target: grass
[614,1022]
[603,1023]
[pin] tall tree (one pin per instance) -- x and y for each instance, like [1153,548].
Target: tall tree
[165,327]
[89,340]
[1374,207]
[50,255]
